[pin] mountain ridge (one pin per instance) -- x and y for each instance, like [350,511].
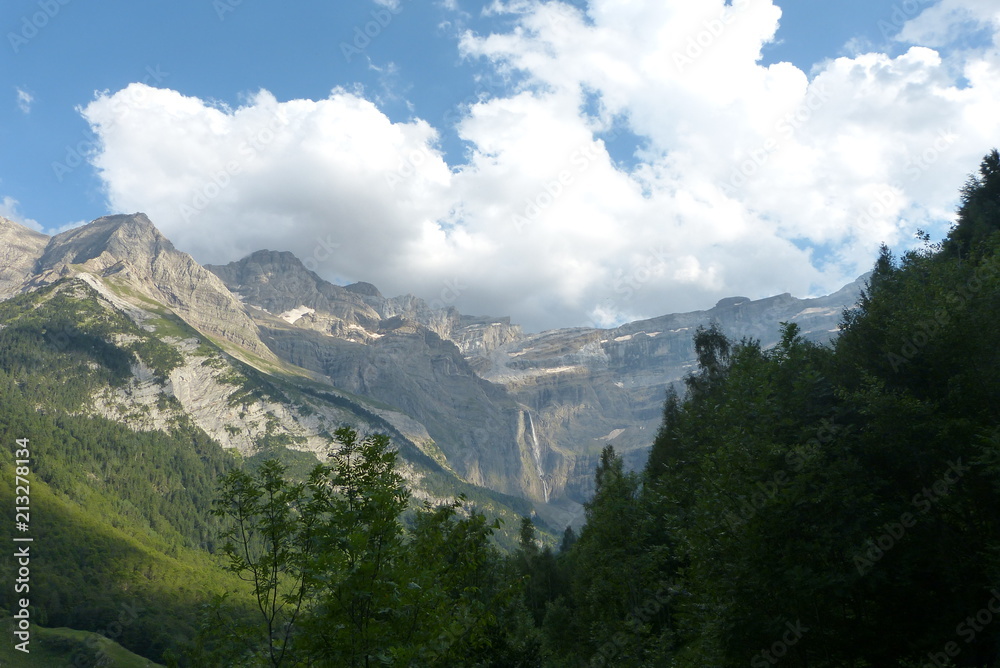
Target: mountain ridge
[519,413]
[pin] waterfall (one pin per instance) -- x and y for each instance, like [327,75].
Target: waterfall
[536,450]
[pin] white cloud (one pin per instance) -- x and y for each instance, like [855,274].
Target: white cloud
[947,21]
[753,180]
[24,101]
[10,209]
[293,175]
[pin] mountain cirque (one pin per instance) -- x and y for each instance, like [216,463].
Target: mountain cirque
[523,414]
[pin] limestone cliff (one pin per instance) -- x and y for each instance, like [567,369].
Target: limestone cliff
[396,351]
[277,282]
[588,387]
[20,249]
[127,250]
[523,414]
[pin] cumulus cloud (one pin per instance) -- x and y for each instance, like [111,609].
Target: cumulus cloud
[750,179]
[300,174]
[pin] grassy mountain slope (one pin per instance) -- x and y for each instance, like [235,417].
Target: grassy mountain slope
[69,647]
[123,478]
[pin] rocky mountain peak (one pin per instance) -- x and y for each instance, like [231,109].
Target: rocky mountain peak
[278,282]
[107,241]
[283,260]
[10,230]
[731,301]
[364,289]
[129,251]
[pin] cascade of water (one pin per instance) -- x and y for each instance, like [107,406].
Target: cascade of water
[536,450]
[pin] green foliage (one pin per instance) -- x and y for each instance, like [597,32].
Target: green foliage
[148,497]
[817,506]
[121,518]
[979,216]
[68,647]
[340,581]
[96,570]
[261,547]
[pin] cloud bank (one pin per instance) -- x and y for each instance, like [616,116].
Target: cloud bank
[750,179]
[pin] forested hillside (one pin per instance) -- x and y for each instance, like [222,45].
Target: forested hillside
[125,540]
[806,505]
[810,505]
[120,519]
[803,505]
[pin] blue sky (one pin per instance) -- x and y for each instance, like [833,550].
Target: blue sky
[486,104]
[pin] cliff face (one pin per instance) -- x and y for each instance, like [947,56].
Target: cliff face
[589,387]
[520,413]
[20,249]
[199,385]
[397,351]
[523,414]
[130,252]
[278,283]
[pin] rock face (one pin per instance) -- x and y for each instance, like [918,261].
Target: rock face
[229,401]
[395,351]
[523,414]
[589,387]
[280,284]
[128,251]
[20,249]
[277,283]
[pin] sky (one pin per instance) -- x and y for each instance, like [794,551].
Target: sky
[575,163]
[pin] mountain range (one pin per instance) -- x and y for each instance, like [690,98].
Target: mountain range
[265,354]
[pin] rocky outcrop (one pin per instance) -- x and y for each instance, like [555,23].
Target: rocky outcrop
[129,252]
[524,414]
[277,282]
[399,351]
[407,366]
[588,387]
[20,249]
